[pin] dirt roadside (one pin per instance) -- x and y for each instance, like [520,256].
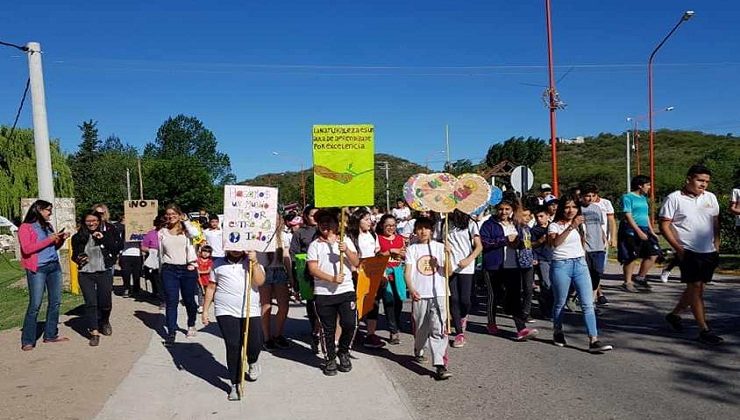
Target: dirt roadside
[71,380]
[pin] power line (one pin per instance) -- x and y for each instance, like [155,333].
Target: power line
[20,108]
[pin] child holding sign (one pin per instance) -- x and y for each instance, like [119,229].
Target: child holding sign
[334,291]
[425,280]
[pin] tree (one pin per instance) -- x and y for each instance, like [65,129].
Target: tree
[18,177]
[186,136]
[461,166]
[517,150]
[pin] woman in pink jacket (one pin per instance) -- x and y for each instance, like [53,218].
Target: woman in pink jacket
[39,244]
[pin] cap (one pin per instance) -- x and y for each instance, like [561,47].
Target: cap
[545,187]
[295,221]
[551,200]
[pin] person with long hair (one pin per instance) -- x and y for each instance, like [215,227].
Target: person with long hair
[465,246]
[93,250]
[150,249]
[507,256]
[178,270]
[393,244]
[39,244]
[568,267]
[637,239]
[302,238]
[334,290]
[360,232]
[278,274]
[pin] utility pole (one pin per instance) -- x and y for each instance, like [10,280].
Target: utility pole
[447,145]
[629,152]
[128,184]
[141,181]
[387,188]
[40,125]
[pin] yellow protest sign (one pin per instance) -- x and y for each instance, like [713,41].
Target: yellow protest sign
[369,275]
[344,165]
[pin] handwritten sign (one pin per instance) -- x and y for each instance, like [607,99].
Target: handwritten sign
[250,218]
[139,217]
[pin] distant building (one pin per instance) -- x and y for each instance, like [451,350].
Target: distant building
[576,140]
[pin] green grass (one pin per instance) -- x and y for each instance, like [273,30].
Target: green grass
[14,299]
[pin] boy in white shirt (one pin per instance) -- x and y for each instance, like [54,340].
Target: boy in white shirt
[689,221]
[425,281]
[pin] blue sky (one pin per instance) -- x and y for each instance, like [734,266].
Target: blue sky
[259,74]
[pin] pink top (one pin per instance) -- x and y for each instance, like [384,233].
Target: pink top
[30,246]
[151,240]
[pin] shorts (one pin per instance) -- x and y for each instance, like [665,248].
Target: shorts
[595,261]
[276,275]
[631,247]
[696,266]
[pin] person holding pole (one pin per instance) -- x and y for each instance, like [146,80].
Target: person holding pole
[334,291]
[425,281]
[232,305]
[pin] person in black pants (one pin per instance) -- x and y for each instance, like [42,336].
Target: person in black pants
[334,291]
[93,250]
[131,264]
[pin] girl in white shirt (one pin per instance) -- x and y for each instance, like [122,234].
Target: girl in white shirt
[278,275]
[568,266]
[334,292]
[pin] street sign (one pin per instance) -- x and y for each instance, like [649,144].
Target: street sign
[522,179]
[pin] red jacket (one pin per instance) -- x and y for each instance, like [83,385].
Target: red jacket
[30,246]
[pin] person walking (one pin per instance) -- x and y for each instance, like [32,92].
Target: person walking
[178,271]
[393,244]
[226,289]
[39,244]
[637,239]
[131,264]
[93,250]
[689,221]
[569,267]
[302,238]
[278,275]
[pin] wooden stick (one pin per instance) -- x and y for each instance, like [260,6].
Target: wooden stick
[245,330]
[341,240]
[447,271]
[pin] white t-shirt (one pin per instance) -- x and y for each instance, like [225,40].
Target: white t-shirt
[736,199]
[367,243]
[606,209]
[216,240]
[461,245]
[399,214]
[230,279]
[571,246]
[426,281]
[510,258]
[327,257]
[693,219]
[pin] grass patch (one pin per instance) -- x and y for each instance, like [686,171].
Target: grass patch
[14,299]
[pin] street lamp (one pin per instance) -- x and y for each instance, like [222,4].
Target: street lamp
[553,102]
[303,176]
[684,18]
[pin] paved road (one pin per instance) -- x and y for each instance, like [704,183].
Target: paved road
[652,373]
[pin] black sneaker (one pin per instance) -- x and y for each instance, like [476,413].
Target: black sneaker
[442,373]
[106,329]
[420,358]
[331,367]
[281,342]
[94,340]
[124,294]
[708,337]
[345,364]
[602,300]
[642,282]
[169,340]
[558,339]
[599,347]
[674,321]
[269,345]
[315,339]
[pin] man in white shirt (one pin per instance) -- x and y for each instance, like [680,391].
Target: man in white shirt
[214,236]
[689,220]
[402,215]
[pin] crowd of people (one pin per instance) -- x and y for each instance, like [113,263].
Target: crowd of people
[542,249]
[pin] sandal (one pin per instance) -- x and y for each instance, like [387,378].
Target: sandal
[57,339]
[27,347]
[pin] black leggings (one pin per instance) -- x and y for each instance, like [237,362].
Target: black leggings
[131,272]
[460,291]
[97,289]
[391,307]
[327,309]
[232,332]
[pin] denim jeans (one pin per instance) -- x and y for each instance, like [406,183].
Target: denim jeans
[179,280]
[574,271]
[48,277]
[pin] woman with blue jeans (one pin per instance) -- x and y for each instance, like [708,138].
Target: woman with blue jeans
[178,268]
[568,266]
[39,244]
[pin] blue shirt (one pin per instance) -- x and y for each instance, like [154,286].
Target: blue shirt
[48,254]
[637,205]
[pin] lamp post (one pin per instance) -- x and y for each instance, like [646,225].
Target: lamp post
[552,103]
[303,176]
[684,18]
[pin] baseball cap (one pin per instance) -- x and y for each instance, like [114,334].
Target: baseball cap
[545,187]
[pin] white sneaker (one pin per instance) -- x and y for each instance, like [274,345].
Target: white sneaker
[234,393]
[200,309]
[254,372]
[664,276]
[191,332]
